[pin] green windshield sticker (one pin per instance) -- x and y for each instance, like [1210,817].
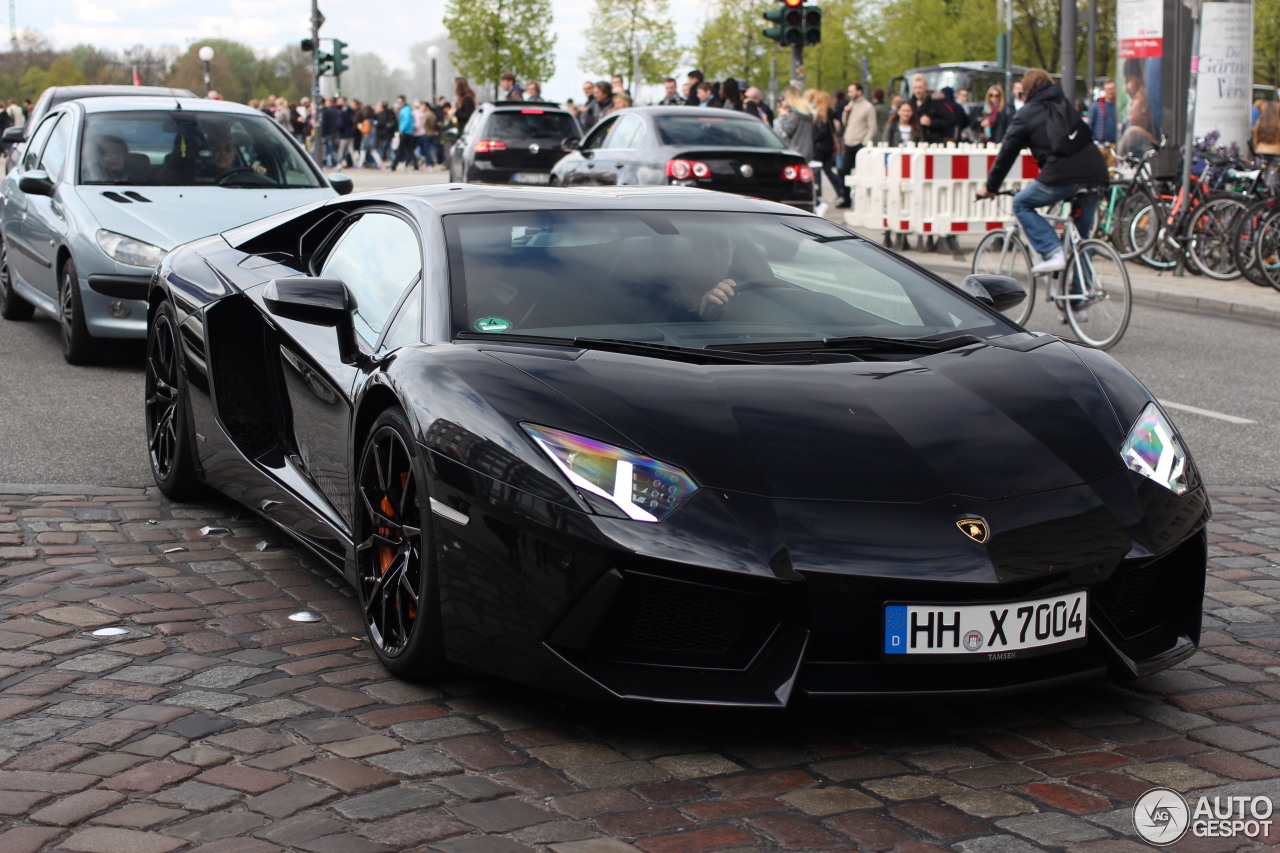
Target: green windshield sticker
[493,324]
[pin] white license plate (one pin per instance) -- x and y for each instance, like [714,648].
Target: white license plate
[1001,631]
[530,178]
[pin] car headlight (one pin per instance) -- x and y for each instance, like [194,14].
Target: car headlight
[1153,450]
[643,488]
[129,251]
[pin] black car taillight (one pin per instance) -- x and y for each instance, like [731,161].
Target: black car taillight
[682,169]
[800,173]
[484,146]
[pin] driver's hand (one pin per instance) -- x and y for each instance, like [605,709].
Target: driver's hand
[259,168]
[718,296]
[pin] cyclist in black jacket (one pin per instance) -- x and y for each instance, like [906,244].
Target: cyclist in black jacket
[1060,177]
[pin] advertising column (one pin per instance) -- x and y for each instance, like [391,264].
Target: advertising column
[1225,88]
[1140,32]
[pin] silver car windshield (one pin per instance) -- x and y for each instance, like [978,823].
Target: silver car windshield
[653,276]
[189,148]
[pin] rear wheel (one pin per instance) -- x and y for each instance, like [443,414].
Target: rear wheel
[395,558]
[1210,237]
[1146,229]
[168,430]
[1128,242]
[1002,253]
[1267,249]
[1245,239]
[78,346]
[1100,301]
[12,306]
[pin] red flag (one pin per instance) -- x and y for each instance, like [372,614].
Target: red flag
[137,81]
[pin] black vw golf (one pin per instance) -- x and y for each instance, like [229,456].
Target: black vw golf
[512,142]
[678,446]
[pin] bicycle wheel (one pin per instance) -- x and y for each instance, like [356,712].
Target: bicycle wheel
[1146,229]
[1245,239]
[1100,302]
[1209,237]
[1002,253]
[1131,243]
[1267,249]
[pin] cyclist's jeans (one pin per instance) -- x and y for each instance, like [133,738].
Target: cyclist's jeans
[1041,235]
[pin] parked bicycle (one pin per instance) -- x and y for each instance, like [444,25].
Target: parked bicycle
[1092,292]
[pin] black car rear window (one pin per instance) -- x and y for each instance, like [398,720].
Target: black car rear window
[702,129]
[531,124]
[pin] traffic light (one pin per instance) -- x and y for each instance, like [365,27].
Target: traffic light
[774,16]
[788,18]
[339,57]
[324,63]
[812,24]
[307,46]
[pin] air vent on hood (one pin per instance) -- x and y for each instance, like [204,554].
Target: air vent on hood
[115,196]
[137,196]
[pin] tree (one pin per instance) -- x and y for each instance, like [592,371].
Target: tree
[1266,42]
[630,36]
[731,44]
[498,36]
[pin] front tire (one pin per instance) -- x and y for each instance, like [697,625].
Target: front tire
[1106,295]
[1211,231]
[168,427]
[999,253]
[12,306]
[394,555]
[78,346]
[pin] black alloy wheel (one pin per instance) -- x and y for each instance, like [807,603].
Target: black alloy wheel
[399,598]
[168,433]
[78,346]
[12,306]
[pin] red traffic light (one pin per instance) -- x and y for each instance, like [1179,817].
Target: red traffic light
[793,2]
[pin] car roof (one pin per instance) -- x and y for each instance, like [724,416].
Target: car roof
[548,106]
[61,94]
[489,198]
[203,105]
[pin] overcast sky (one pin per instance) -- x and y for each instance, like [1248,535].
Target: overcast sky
[387,27]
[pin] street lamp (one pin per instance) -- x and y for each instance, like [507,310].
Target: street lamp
[433,51]
[206,56]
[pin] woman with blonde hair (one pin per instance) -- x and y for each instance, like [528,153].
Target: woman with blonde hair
[795,122]
[826,133]
[995,116]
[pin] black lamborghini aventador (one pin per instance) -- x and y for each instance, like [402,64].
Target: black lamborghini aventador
[675,445]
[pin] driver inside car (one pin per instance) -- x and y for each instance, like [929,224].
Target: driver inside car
[222,148]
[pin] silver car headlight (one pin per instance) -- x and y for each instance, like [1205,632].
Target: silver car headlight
[129,251]
[1153,450]
[643,488]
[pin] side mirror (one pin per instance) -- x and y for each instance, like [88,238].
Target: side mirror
[14,134]
[571,143]
[1001,292]
[343,184]
[36,182]
[319,302]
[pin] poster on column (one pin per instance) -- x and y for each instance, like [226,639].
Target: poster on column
[1140,37]
[1225,83]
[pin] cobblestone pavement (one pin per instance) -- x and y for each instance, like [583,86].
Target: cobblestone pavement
[216,724]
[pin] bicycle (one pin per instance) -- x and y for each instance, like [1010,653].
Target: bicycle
[1092,292]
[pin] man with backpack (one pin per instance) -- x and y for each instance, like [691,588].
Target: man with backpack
[1062,144]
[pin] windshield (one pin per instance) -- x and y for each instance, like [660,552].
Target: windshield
[188,148]
[646,275]
[700,129]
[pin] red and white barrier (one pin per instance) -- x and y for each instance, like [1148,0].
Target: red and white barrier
[931,189]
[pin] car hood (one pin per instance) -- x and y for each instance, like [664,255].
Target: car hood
[988,422]
[169,216]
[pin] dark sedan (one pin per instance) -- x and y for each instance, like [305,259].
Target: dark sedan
[711,149]
[675,445]
[512,142]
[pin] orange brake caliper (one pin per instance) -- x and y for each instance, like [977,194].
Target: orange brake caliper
[387,554]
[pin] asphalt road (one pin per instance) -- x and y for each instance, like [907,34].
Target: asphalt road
[84,426]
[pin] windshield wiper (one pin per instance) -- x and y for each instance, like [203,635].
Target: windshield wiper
[856,343]
[698,355]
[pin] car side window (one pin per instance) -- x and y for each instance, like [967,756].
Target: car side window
[377,257]
[54,157]
[406,329]
[627,132]
[596,138]
[36,145]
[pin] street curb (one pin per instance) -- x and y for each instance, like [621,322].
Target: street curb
[1205,304]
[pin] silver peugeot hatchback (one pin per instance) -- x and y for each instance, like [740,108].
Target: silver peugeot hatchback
[107,186]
